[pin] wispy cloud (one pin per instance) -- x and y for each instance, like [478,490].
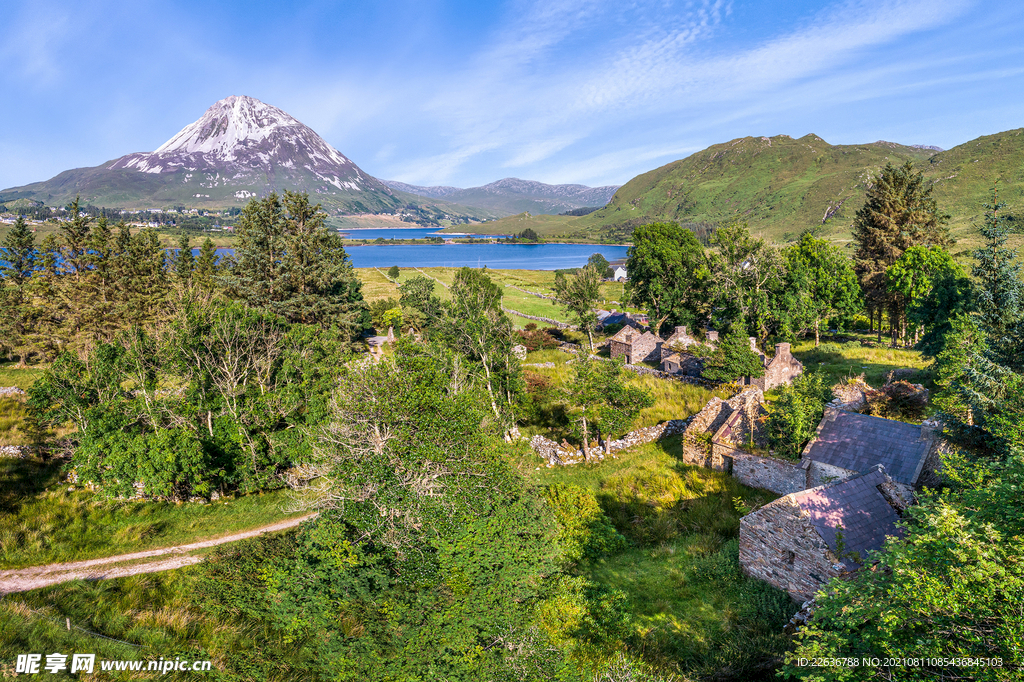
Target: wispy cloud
[507,103]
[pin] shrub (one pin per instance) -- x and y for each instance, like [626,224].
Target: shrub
[586,533]
[795,415]
[536,339]
[733,359]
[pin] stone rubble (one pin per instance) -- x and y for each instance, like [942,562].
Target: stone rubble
[10,391]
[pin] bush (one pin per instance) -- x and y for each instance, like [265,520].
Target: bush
[733,359]
[536,339]
[795,414]
[586,533]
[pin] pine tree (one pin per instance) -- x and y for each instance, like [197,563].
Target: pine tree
[289,264]
[900,212]
[184,262]
[17,265]
[1000,291]
[206,266]
[99,286]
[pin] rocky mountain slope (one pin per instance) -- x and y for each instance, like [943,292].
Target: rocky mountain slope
[512,195]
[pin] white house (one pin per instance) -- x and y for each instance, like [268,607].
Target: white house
[620,274]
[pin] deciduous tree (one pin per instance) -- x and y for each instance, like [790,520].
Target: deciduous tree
[578,293]
[669,275]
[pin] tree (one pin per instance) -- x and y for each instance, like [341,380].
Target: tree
[1000,291]
[732,359]
[394,272]
[473,324]
[206,269]
[746,274]
[600,263]
[952,295]
[289,264]
[795,414]
[825,278]
[17,265]
[184,262]
[669,275]
[899,212]
[599,400]
[578,294]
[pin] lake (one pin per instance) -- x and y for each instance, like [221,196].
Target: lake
[372,233]
[494,256]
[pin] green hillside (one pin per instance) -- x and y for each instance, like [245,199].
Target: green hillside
[963,178]
[782,186]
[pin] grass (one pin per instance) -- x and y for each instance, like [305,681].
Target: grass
[377,286]
[12,375]
[12,422]
[145,617]
[43,521]
[693,612]
[842,361]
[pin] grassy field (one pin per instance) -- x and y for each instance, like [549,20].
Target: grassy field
[376,285]
[694,613]
[840,361]
[12,375]
[145,617]
[43,521]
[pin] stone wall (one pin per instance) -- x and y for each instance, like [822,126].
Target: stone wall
[531,293]
[779,545]
[11,392]
[563,453]
[707,425]
[545,320]
[768,473]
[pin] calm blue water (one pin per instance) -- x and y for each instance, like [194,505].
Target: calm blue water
[404,233]
[494,256]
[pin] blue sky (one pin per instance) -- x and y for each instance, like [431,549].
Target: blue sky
[465,93]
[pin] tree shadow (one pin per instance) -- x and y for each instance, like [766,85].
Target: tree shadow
[22,479]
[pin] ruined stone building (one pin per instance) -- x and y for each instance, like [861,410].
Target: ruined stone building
[675,359]
[794,543]
[779,369]
[847,443]
[635,346]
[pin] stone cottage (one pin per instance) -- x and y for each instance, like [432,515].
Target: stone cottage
[739,419]
[675,359]
[780,369]
[635,346]
[794,544]
[847,443]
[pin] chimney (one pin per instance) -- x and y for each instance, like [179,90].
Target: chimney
[681,331]
[782,348]
[753,345]
[713,336]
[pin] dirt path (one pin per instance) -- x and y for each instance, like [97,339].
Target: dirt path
[34,577]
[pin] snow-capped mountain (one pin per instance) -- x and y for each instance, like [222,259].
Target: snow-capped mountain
[240,148]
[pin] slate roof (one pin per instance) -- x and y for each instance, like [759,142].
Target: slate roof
[857,442]
[858,506]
